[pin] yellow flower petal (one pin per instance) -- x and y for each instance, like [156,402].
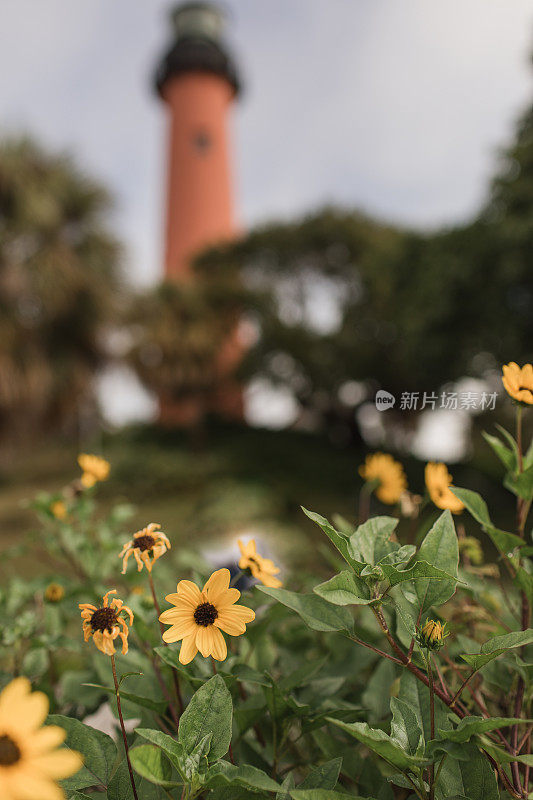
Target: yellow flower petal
[217,584]
[219,649]
[188,591]
[188,649]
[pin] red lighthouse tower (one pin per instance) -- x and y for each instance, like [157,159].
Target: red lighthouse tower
[198,82]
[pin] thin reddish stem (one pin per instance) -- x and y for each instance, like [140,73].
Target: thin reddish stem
[123,729]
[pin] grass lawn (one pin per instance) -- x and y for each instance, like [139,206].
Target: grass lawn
[241,481]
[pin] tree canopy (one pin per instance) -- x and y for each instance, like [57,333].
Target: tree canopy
[58,285]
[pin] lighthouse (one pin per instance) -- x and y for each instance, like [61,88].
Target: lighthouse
[198,83]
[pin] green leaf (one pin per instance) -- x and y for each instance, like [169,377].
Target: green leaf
[250,777]
[126,675]
[210,711]
[496,646]
[197,761]
[323,794]
[159,706]
[521,483]
[151,763]
[173,749]
[503,757]
[382,744]
[376,696]
[471,777]
[419,570]
[315,612]
[470,726]
[120,786]
[245,673]
[474,503]
[507,456]
[344,589]
[337,539]
[415,694]
[323,777]
[370,542]
[440,549]
[399,556]
[286,786]
[405,728]
[98,750]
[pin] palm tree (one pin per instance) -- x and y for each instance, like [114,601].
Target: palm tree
[58,287]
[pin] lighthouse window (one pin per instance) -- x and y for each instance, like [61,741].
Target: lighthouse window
[202,142]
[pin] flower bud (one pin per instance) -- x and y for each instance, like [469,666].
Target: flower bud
[432,635]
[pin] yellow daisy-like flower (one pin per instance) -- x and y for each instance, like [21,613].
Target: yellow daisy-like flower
[105,624]
[518,382]
[59,510]
[262,569]
[94,469]
[198,617]
[54,593]
[147,546]
[438,481]
[31,762]
[383,468]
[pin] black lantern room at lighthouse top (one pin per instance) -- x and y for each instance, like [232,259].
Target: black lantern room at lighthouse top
[198,45]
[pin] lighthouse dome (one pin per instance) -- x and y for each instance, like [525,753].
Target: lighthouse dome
[198,45]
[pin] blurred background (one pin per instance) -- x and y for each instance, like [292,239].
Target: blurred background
[224,229]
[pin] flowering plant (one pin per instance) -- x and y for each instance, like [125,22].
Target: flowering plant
[405,674]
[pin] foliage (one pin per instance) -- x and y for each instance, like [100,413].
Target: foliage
[338,298]
[405,674]
[58,279]
[176,334]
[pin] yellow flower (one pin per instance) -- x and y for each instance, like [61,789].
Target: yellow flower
[54,593]
[262,569]
[94,469]
[383,468]
[147,546]
[518,382]
[432,635]
[198,617]
[59,509]
[438,481]
[31,762]
[105,624]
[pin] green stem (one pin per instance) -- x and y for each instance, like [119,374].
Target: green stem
[236,578]
[123,729]
[175,678]
[364,500]
[432,723]
[525,615]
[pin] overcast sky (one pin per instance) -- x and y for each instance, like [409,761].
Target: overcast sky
[395,106]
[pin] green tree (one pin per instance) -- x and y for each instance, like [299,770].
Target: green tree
[58,282]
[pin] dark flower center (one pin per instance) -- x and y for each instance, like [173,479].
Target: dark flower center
[9,751]
[104,619]
[145,542]
[205,614]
